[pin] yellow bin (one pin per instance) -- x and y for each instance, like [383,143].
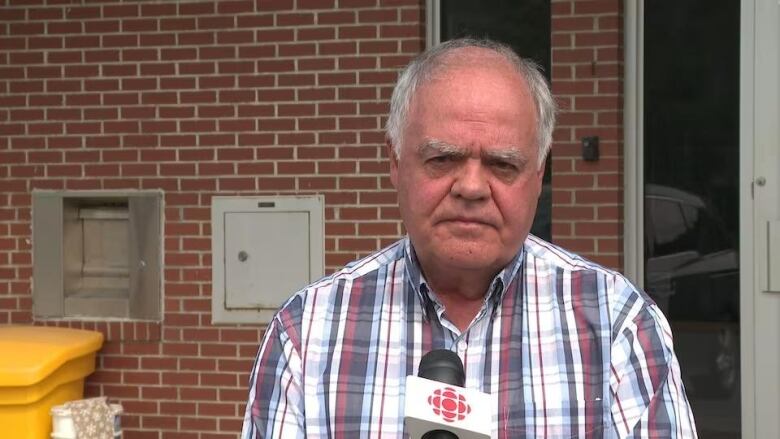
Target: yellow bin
[41,367]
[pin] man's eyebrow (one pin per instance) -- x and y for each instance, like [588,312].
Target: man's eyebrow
[433,146]
[510,154]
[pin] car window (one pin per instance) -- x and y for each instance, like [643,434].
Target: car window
[669,230]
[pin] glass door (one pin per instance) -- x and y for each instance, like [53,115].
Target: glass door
[690,163]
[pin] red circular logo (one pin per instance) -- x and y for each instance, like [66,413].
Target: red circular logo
[449,404]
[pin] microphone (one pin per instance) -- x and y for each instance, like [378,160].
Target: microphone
[437,406]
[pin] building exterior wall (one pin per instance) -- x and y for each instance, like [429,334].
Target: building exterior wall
[247,98]
[587,79]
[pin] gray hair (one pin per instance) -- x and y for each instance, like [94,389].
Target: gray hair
[428,63]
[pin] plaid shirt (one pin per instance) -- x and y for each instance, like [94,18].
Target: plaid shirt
[565,347]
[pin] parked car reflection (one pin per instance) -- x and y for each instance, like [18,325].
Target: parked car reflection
[692,272]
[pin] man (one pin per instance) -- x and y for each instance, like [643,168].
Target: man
[565,347]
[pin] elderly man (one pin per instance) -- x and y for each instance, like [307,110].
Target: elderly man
[566,348]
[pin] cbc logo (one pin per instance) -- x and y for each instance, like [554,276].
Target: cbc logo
[449,404]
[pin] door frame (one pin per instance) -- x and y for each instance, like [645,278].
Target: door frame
[746,220]
[633,143]
[760,206]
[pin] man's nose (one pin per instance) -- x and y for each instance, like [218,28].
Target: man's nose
[471,182]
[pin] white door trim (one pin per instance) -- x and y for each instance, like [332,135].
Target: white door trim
[746,221]
[633,163]
[432,23]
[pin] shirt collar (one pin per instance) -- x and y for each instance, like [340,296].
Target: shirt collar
[494,294]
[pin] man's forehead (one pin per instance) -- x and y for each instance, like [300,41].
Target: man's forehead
[485,71]
[467,60]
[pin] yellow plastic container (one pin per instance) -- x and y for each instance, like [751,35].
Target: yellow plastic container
[41,367]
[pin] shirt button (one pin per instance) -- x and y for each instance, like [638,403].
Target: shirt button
[462,346]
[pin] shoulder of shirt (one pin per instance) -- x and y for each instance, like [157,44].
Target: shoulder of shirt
[363,266]
[624,303]
[621,293]
[351,271]
[561,258]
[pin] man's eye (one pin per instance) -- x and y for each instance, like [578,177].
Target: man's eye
[504,166]
[441,159]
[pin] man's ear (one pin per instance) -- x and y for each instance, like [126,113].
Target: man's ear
[393,163]
[540,171]
[540,175]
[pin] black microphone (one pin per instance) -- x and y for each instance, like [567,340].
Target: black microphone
[437,406]
[444,366]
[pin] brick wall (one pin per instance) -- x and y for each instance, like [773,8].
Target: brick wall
[195,98]
[246,97]
[587,80]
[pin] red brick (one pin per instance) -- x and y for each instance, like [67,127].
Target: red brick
[586,246]
[155,10]
[136,378]
[317,124]
[609,245]
[174,408]
[596,103]
[197,364]
[255,21]
[160,423]
[200,423]
[12,73]
[219,379]
[240,335]
[596,7]
[596,229]
[26,86]
[573,212]
[197,394]
[234,6]
[574,23]
[297,167]
[610,22]
[216,409]
[561,229]
[609,87]
[215,22]
[180,349]
[602,38]
[236,184]
[199,184]
[597,196]
[315,4]
[156,393]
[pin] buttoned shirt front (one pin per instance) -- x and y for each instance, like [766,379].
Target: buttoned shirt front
[566,348]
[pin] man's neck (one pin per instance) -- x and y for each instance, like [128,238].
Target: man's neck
[459,310]
[462,294]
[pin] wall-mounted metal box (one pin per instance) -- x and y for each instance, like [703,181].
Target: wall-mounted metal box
[264,249]
[97,254]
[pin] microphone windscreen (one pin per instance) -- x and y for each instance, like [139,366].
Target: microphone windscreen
[444,366]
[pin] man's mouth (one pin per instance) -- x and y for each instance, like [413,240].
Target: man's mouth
[467,221]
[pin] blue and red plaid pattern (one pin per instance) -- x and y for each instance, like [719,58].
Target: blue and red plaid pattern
[565,347]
